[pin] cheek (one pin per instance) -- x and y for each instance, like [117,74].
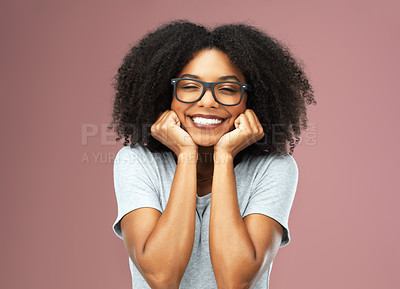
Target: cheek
[235,114]
[176,107]
[173,104]
[237,111]
[179,109]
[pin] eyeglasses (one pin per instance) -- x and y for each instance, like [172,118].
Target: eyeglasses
[227,93]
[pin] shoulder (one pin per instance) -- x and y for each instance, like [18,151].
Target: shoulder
[272,162]
[140,159]
[136,151]
[136,154]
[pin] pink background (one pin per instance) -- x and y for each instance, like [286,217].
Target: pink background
[58,59]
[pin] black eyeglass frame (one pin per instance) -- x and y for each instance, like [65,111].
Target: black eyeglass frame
[211,85]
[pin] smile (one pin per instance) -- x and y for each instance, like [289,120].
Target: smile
[200,120]
[206,123]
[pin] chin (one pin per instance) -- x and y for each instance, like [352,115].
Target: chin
[206,141]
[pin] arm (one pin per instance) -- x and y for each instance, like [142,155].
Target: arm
[241,250]
[160,245]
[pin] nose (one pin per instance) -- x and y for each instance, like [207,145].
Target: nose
[208,100]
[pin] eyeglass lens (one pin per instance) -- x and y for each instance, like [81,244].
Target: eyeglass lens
[226,92]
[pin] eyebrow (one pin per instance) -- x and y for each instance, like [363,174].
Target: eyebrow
[226,77]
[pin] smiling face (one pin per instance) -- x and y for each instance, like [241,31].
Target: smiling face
[209,65]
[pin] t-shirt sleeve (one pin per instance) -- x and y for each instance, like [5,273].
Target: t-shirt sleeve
[273,192]
[133,186]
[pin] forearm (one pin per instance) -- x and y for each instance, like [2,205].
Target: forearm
[170,244]
[232,253]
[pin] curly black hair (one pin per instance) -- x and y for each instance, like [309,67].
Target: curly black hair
[280,88]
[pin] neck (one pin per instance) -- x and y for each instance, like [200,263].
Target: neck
[205,162]
[206,155]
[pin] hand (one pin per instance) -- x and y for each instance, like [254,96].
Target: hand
[167,129]
[247,131]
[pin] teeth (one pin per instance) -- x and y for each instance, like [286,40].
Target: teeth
[206,121]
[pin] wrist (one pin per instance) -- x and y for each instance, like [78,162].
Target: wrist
[222,157]
[189,156]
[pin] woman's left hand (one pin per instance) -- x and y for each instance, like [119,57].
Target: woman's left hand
[247,131]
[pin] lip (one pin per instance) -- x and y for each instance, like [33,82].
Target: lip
[206,126]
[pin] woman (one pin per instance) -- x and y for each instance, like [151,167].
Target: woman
[205,188]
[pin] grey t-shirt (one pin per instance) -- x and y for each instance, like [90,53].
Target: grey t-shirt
[265,185]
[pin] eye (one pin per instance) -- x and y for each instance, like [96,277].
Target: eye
[229,89]
[188,85]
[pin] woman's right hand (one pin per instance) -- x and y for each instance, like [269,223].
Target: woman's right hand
[167,129]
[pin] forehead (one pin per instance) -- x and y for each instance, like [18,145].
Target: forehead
[210,64]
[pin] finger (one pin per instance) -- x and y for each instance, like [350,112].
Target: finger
[254,122]
[159,114]
[173,118]
[156,126]
[161,117]
[170,120]
[170,123]
[251,118]
[242,122]
[164,115]
[246,128]
[238,121]
[256,131]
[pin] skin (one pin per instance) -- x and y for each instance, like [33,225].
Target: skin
[210,65]
[160,245]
